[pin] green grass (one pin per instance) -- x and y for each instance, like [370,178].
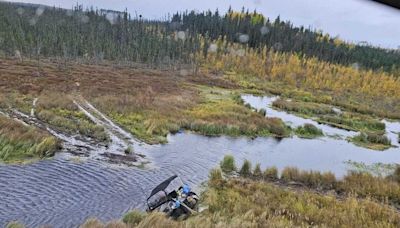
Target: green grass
[354,123]
[228,164]
[63,115]
[20,143]
[270,173]
[223,115]
[150,127]
[325,114]
[15,225]
[246,169]
[217,112]
[308,131]
[303,108]
[371,141]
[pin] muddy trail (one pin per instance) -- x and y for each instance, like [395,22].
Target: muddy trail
[120,140]
[79,145]
[63,192]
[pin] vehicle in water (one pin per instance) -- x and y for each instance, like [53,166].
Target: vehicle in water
[174,198]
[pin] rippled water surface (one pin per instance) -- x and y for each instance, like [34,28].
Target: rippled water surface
[64,193]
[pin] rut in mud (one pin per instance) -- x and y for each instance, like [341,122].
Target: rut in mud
[120,141]
[113,151]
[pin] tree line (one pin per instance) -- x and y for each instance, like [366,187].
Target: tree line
[32,30]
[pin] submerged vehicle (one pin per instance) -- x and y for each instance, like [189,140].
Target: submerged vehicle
[173,197]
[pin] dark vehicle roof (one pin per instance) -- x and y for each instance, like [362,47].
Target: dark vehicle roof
[162,186]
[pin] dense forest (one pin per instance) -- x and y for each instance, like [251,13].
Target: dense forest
[33,31]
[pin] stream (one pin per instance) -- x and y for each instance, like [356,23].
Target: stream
[64,192]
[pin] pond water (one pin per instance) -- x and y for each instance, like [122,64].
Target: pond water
[64,193]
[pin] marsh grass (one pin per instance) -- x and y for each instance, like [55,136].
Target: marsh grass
[366,185]
[228,164]
[325,114]
[360,184]
[19,142]
[271,173]
[246,170]
[227,117]
[308,131]
[14,225]
[257,173]
[59,111]
[134,217]
[245,202]
[354,122]
[304,108]
[371,141]
[312,179]
[215,176]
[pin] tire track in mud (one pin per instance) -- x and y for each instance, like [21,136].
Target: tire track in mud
[78,145]
[120,139]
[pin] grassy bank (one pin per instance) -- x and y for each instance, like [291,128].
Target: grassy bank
[19,143]
[248,203]
[294,199]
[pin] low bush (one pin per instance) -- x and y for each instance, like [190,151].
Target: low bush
[245,171]
[271,173]
[257,173]
[228,164]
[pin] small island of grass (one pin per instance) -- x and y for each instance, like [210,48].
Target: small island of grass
[371,141]
[308,131]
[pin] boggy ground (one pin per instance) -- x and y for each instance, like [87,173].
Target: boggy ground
[146,102]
